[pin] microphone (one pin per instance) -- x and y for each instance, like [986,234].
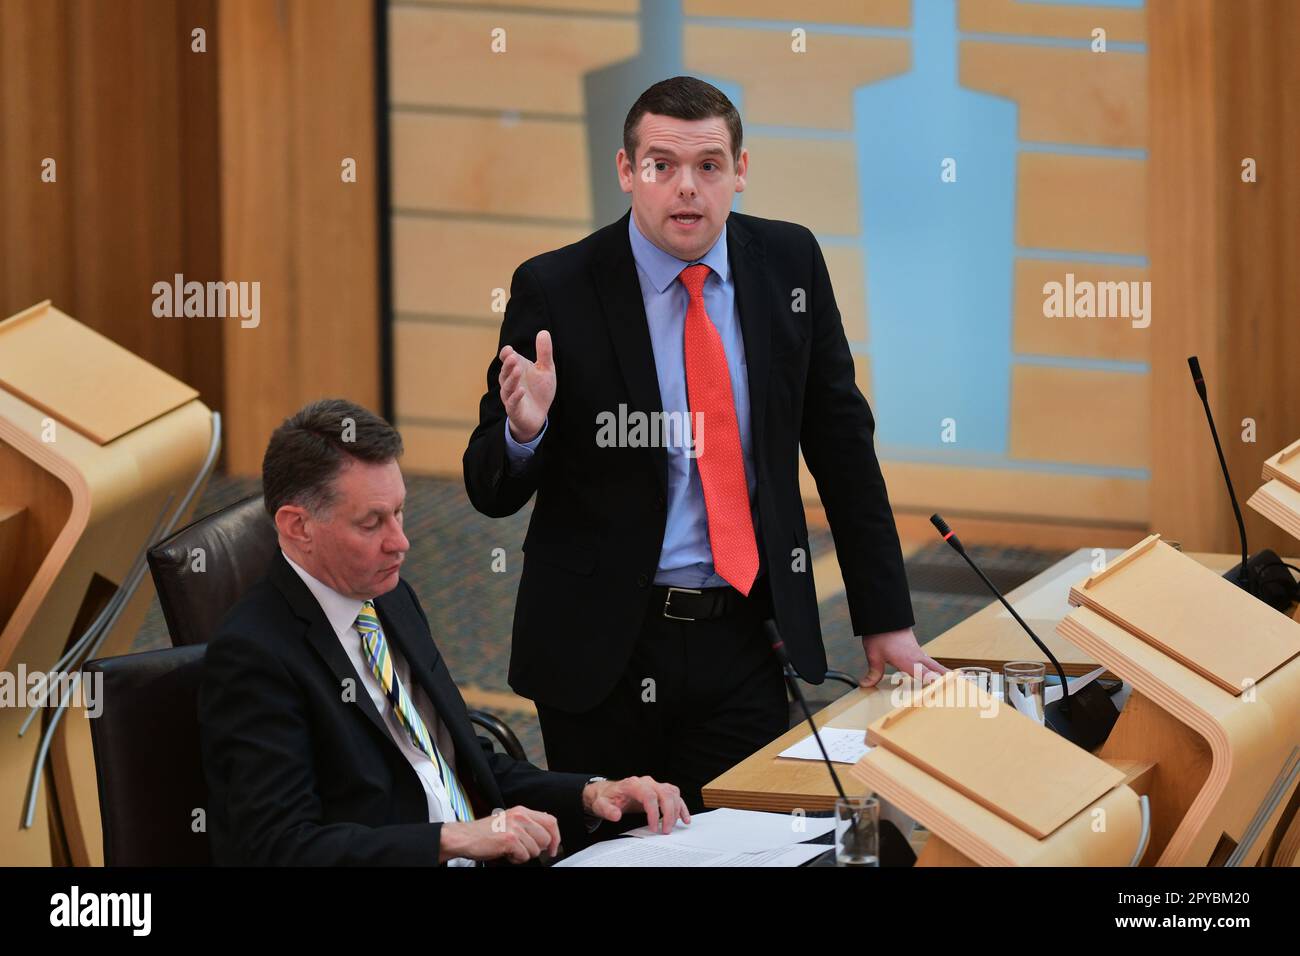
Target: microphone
[778,648]
[1265,575]
[1085,717]
[894,849]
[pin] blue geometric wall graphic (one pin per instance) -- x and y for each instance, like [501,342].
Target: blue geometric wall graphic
[938,255]
[608,93]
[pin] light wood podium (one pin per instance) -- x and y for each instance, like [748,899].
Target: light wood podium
[996,788]
[1214,707]
[100,452]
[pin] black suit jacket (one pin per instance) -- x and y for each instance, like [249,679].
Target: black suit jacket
[297,775]
[593,543]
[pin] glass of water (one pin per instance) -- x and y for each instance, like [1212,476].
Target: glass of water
[1024,683]
[857,831]
[981,677]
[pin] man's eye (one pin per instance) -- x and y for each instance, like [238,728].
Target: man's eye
[661,166]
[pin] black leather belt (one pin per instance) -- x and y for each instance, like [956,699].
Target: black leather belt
[698,604]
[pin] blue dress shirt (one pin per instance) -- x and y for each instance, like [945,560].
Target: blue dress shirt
[686,559]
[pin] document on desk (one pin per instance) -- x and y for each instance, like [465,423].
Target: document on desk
[741,831]
[655,851]
[725,837]
[843,745]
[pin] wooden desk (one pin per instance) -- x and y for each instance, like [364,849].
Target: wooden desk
[764,781]
[990,637]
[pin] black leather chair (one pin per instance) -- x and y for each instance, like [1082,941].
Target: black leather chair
[236,546]
[146,742]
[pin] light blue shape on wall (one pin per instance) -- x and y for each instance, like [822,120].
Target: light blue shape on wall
[938,255]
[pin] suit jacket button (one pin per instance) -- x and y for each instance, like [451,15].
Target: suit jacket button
[642,580]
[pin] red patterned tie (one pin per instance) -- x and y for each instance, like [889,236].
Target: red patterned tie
[722,467]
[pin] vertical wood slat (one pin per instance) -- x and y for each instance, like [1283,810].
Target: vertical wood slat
[297,96]
[1223,86]
[135,162]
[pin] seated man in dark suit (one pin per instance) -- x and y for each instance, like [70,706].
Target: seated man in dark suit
[332,733]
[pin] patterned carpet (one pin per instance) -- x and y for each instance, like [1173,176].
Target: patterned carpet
[470,606]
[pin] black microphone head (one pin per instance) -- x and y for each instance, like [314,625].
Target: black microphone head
[1194,364]
[942,527]
[774,638]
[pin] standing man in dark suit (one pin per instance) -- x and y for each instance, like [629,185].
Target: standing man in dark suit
[331,732]
[655,551]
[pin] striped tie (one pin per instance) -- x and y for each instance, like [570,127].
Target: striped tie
[381,665]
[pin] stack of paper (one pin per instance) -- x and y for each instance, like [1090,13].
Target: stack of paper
[715,838]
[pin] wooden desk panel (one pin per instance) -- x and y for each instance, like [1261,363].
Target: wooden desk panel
[764,781]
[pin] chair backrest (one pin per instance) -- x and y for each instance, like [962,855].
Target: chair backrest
[147,759]
[203,569]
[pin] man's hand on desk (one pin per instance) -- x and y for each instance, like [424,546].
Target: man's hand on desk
[517,835]
[660,802]
[901,649]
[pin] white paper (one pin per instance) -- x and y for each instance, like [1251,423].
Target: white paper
[842,746]
[1076,684]
[740,831]
[659,852]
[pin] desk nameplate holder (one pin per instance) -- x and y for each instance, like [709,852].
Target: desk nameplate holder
[1278,499]
[1215,700]
[994,787]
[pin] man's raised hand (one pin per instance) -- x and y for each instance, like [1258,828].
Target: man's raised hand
[527,388]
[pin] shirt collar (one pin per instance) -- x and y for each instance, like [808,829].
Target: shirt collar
[663,268]
[340,610]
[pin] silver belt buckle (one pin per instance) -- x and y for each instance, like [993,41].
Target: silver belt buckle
[669,598]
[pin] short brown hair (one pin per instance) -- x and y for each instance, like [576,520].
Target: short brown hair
[683,97]
[307,451]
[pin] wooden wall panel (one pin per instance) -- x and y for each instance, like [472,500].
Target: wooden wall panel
[1080,416]
[489,166]
[876,13]
[1224,82]
[297,97]
[848,279]
[135,197]
[1082,203]
[1065,96]
[1100,338]
[444,57]
[441,369]
[782,88]
[1051,20]
[778,185]
[448,267]
[1010,495]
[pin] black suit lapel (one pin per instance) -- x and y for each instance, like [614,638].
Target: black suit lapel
[629,329]
[321,637]
[754,301]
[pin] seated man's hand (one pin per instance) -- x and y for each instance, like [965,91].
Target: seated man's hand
[660,802]
[517,834]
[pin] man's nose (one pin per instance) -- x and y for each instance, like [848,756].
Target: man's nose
[687,185]
[399,542]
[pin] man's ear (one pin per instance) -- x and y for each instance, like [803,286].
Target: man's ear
[624,178]
[294,524]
